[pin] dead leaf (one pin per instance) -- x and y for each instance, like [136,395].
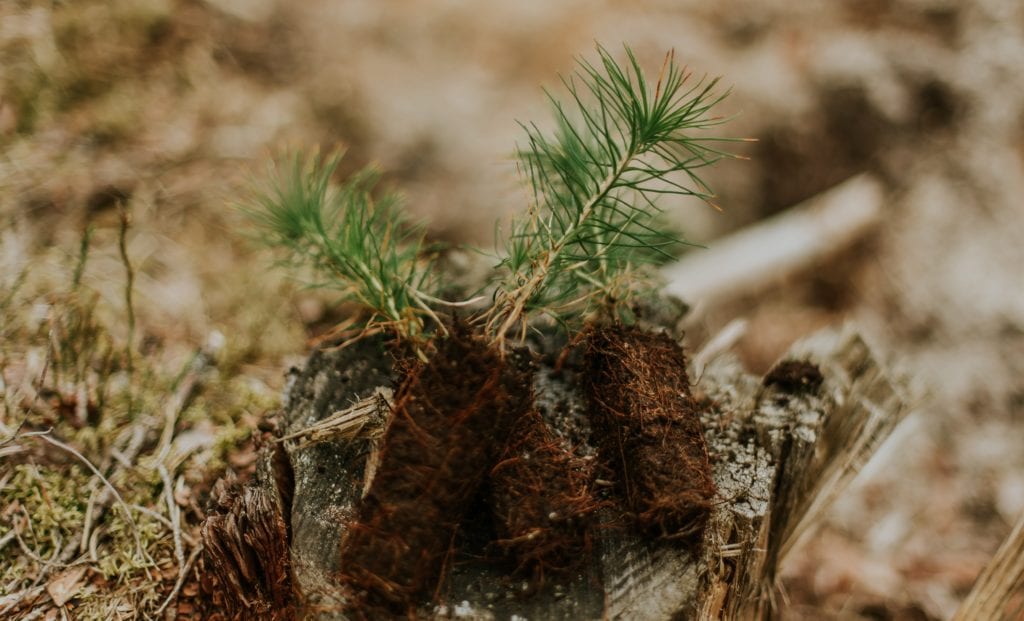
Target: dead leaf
[11,509]
[66,584]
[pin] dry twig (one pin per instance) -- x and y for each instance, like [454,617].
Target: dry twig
[348,423]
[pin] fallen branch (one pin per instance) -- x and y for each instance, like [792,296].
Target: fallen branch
[753,259]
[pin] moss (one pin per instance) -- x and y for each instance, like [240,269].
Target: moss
[46,505]
[58,321]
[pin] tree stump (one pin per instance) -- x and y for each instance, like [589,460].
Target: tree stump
[783,447]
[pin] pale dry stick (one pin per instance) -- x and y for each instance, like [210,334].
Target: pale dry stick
[13,601]
[98,502]
[10,397]
[14,449]
[1001,579]
[757,257]
[186,390]
[174,407]
[32,615]
[89,508]
[82,403]
[32,401]
[94,545]
[717,345]
[174,515]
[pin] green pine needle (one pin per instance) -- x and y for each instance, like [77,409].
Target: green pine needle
[354,239]
[620,143]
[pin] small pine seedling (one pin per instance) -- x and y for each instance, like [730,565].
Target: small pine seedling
[620,143]
[355,241]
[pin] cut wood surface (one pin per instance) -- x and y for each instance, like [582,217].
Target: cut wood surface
[781,451]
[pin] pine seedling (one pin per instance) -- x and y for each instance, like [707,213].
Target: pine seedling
[354,239]
[620,143]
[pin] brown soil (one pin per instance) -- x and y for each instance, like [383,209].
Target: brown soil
[796,376]
[647,428]
[542,501]
[444,436]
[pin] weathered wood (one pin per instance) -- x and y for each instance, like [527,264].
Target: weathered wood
[245,549]
[780,456]
[329,476]
[1000,581]
[818,443]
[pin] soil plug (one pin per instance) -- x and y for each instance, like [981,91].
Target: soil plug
[648,429]
[541,500]
[450,418]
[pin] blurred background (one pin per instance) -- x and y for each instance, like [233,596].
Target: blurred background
[169,106]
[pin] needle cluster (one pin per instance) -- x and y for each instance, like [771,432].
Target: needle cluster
[355,239]
[620,143]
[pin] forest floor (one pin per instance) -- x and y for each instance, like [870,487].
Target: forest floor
[141,325]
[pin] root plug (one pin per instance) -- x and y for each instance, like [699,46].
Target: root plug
[541,500]
[647,428]
[450,418]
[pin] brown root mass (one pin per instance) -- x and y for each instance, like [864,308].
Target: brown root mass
[245,550]
[541,500]
[647,428]
[450,418]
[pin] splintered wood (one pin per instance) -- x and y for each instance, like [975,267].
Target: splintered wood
[1002,580]
[245,545]
[806,447]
